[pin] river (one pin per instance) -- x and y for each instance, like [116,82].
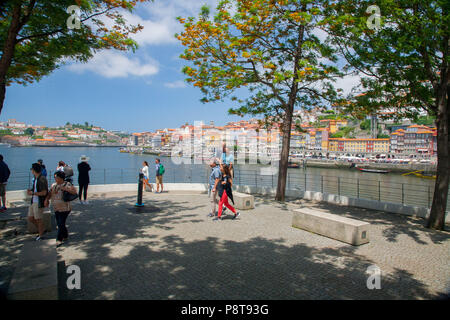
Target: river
[111,166]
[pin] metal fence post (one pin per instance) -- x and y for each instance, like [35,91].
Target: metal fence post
[305,181]
[357,181]
[339,186]
[429,203]
[288,182]
[403,194]
[379,190]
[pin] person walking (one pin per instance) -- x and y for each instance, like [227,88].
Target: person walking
[145,172]
[214,179]
[228,159]
[60,207]
[60,166]
[225,192]
[38,194]
[159,175]
[83,178]
[44,170]
[68,171]
[4,176]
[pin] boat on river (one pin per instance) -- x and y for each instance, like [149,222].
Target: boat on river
[421,174]
[373,170]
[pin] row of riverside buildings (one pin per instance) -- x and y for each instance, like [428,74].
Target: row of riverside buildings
[404,139]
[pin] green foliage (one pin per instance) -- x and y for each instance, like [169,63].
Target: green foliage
[5,132]
[45,42]
[269,49]
[365,125]
[29,131]
[401,61]
[426,120]
[344,132]
[383,136]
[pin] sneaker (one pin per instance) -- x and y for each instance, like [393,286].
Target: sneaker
[3,208]
[236,215]
[210,215]
[38,238]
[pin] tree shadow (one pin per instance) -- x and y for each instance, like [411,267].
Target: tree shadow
[253,269]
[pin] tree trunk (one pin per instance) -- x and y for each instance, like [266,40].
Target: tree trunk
[284,156]
[438,207]
[8,50]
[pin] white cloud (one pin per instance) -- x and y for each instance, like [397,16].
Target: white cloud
[112,64]
[160,25]
[175,85]
[347,83]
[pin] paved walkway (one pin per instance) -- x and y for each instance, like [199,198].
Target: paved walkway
[179,253]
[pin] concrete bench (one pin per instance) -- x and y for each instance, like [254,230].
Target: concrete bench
[35,276]
[347,230]
[243,201]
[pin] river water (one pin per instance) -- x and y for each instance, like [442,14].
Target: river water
[110,166]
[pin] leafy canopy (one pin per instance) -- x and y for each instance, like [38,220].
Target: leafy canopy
[268,50]
[45,42]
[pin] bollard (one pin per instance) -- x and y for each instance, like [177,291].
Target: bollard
[140,189]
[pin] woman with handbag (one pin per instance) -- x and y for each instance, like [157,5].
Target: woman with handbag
[225,192]
[61,193]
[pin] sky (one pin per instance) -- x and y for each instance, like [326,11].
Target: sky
[141,91]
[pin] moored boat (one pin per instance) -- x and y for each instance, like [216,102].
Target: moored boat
[373,170]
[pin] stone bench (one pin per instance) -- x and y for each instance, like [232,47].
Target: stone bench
[243,201]
[344,229]
[35,276]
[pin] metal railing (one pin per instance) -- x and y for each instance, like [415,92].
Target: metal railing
[419,195]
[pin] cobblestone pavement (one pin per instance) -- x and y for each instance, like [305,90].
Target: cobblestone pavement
[180,253]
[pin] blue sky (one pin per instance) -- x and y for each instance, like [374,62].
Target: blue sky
[123,91]
[143,91]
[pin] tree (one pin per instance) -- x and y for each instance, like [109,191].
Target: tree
[404,64]
[29,131]
[35,37]
[269,47]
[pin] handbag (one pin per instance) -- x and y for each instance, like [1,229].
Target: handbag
[67,196]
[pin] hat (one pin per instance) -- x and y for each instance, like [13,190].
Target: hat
[83,158]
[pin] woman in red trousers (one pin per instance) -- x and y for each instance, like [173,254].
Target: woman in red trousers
[225,191]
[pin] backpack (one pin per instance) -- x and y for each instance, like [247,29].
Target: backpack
[68,171]
[161,169]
